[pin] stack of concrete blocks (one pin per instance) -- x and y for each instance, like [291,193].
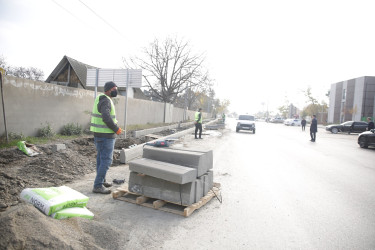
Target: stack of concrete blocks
[175,175]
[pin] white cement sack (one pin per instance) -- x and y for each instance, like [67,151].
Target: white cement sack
[53,199]
[82,212]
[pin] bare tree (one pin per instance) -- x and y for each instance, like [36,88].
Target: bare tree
[4,64]
[169,68]
[22,72]
[197,96]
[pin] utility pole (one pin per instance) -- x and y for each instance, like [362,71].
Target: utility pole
[126,101]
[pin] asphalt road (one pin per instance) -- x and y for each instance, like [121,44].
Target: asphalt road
[281,191]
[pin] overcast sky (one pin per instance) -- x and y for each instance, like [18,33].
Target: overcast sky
[263,51]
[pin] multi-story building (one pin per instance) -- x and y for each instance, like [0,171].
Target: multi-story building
[352,100]
[293,111]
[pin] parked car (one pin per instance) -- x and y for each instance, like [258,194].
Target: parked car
[348,127]
[366,139]
[277,120]
[246,122]
[292,122]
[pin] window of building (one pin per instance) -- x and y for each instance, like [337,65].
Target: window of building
[343,94]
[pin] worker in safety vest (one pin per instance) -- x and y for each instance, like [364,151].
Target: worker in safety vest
[104,125]
[198,123]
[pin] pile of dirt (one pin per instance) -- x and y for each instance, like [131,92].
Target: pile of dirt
[19,171]
[23,226]
[28,228]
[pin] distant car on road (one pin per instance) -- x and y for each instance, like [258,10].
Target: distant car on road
[366,139]
[246,122]
[292,122]
[348,127]
[277,120]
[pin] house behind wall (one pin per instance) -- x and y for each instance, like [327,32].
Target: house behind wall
[72,73]
[352,100]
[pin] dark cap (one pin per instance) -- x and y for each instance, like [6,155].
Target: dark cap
[109,85]
[199,109]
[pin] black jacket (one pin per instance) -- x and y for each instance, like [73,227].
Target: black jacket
[314,125]
[370,126]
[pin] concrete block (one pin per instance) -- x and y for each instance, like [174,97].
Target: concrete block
[198,189]
[208,181]
[205,184]
[163,170]
[136,152]
[58,147]
[161,189]
[202,161]
[209,154]
[210,178]
[129,154]
[215,126]
[123,156]
[201,191]
[144,132]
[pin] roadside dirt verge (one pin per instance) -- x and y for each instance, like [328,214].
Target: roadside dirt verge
[18,171]
[23,227]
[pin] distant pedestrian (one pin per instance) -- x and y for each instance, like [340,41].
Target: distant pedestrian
[370,124]
[303,124]
[313,128]
[198,123]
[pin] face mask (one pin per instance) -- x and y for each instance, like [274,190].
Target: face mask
[113,93]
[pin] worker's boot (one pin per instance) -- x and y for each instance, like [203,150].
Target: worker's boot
[101,190]
[107,184]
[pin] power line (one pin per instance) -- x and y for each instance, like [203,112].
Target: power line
[100,17]
[62,7]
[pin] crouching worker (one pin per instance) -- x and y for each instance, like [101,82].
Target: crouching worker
[104,126]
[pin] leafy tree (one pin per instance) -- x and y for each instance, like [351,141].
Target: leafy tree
[197,96]
[313,107]
[328,93]
[309,96]
[222,106]
[170,68]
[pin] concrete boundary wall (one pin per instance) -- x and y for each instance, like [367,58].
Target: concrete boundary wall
[31,105]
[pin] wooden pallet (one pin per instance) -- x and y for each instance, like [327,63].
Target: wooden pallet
[124,194]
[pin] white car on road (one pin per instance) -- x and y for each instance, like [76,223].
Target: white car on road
[292,122]
[246,122]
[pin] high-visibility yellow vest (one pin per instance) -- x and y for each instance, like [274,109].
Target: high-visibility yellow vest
[97,125]
[197,117]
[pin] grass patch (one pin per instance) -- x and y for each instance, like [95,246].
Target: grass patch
[35,140]
[46,135]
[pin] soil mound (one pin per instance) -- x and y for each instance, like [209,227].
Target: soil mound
[25,227]
[19,171]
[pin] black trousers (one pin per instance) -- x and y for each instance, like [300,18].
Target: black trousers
[303,127]
[313,135]
[198,126]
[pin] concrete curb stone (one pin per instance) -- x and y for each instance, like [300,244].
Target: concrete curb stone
[129,154]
